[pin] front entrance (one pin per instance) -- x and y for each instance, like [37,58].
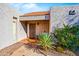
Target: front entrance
[32,30]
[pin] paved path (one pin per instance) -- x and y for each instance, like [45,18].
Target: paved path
[21,49]
[10,49]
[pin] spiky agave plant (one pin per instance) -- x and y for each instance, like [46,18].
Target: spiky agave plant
[45,41]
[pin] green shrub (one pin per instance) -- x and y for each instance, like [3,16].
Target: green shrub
[67,37]
[75,30]
[45,41]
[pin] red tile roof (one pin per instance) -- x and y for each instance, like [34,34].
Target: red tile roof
[36,14]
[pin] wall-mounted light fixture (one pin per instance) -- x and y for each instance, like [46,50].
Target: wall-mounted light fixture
[72,12]
[14,19]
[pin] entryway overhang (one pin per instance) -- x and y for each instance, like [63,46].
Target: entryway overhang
[35,16]
[31,18]
[35,23]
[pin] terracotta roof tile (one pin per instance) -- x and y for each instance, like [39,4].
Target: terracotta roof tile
[35,13]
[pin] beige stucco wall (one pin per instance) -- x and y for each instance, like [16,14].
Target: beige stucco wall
[7,27]
[60,15]
[21,33]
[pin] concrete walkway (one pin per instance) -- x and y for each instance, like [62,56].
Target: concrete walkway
[23,49]
[19,49]
[10,49]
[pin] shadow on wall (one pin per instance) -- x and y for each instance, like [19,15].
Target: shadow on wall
[24,25]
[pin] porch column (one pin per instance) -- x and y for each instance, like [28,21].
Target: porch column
[28,30]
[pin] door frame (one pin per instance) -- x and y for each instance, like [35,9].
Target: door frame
[28,29]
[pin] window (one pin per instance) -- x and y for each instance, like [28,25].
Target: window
[72,12]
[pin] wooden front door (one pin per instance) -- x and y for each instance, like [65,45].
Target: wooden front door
[32,30]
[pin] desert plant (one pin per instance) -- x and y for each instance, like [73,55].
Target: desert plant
[67,38]
[45,41]
[75,30]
